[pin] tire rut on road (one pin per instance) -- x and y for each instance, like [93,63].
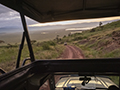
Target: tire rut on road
[72,52]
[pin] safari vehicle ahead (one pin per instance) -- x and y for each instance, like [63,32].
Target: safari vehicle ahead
[65,43]
[33,76]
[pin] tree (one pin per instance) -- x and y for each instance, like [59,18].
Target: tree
[1,41]
[100,24]
[64,36]
[57,38]
[69,34]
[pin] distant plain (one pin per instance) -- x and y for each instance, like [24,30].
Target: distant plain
[15,37]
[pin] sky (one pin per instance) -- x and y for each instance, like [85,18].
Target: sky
[10,19]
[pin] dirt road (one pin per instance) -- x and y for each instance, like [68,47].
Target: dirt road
[71,52]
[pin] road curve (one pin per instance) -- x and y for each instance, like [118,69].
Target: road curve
[71,52]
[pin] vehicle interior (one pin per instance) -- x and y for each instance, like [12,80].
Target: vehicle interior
[35,74]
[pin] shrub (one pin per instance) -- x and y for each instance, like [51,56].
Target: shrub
[33,41]
[46,46]
[92,30]
[51,43]
[78,38]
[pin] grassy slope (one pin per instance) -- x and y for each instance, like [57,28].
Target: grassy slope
[42,50]
[99,42]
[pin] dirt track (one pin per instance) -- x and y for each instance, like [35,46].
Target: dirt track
[71,52]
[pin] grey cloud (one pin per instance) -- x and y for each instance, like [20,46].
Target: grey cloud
[4,9]
[11,18]
[30,21]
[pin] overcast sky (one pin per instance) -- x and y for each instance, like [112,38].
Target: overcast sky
[11,19]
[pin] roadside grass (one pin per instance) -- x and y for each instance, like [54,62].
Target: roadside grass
[8,57]
[115,79]
[115,53]
[42,50]
[91,53]
[8,53]
[50,53]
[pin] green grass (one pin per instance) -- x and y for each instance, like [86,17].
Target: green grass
[42,50]
[8,53]
[115,79]
[114,53]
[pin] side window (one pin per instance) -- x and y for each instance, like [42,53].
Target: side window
[10,36]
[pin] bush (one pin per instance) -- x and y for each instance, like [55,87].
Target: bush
[78,38]
[33,41]
[46,46]
[92,30]
[51,43]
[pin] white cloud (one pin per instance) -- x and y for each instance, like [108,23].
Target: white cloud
[71,29]
[10,19]
[74,22]
[9,15]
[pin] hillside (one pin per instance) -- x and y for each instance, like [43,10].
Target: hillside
[42,50]
[99,42]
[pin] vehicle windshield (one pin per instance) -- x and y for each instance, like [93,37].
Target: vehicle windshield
[73,39]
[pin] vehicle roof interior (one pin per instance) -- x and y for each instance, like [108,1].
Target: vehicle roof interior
[59,10]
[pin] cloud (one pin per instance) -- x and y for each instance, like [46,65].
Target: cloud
[4,9]
[30,21]
[71,29]
[74,22]
[11,18]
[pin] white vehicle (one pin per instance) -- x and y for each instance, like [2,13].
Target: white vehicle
[65,43]
[84,83]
